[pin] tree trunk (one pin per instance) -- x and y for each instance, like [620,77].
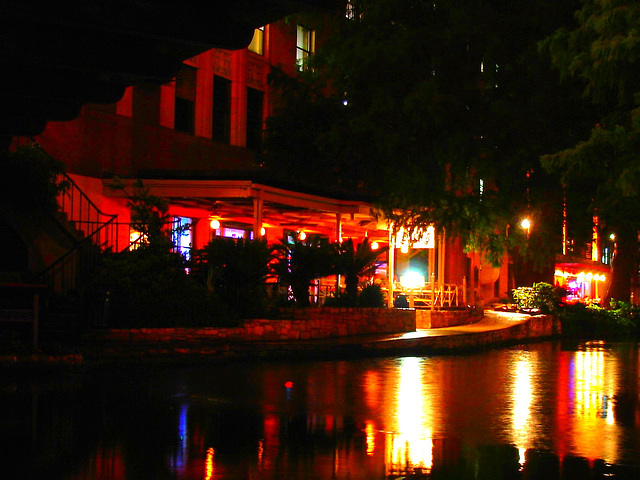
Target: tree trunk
[623,267]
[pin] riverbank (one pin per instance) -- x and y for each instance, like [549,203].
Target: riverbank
[494,329]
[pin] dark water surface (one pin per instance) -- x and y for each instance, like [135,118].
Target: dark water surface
[540,411]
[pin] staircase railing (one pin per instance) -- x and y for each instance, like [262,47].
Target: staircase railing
[100,227]
[99,234]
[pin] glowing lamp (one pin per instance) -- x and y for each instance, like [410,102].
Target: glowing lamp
[375,246]
[526,224]
[559,273]
[263,231]
[302,236]
[214,224]
[589,276]
[412,279]
[404,248]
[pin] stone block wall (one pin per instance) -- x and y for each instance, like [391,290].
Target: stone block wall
[299,324]
[426,318]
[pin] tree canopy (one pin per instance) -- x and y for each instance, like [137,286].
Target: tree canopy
[439,109]
[603,170]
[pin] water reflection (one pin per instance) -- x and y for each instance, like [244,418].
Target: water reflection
[538,412]
[409,446]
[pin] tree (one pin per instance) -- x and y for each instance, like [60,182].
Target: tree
[300,262]
[603,52]
[149,214]
[235,270]
[354,261]
[421,101]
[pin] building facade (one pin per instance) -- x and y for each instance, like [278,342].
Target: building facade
[194,140]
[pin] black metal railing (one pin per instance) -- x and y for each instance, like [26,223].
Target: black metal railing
[98,233]
[85,216]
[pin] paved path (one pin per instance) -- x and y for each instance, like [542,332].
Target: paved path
[495,328]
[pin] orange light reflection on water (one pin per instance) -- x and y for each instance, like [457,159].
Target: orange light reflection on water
[410,445]
[594,390]
[208,465]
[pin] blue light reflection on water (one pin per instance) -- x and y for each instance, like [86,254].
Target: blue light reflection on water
[454,416]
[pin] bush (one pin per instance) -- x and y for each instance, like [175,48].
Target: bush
[236,271]
[592,321]
[148,288]
[542,296]
[371,296]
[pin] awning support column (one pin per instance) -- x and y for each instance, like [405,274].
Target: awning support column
[391,265]
[258,207]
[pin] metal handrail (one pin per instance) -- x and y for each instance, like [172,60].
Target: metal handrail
[87,217]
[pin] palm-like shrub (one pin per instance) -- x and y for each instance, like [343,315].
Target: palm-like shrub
[300,262]
[354,261]
[235,271]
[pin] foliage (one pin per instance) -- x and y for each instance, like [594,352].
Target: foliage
[300,262]
[420,101]
[354,261]
[236,270]
[602,52]
[371,296]
[148,213]
[30,180]
[150,288]
[594,322]
[542,296]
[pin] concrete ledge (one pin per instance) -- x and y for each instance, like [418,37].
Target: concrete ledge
[426,318]
[527,329]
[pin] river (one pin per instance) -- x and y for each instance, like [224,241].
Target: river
[539,411]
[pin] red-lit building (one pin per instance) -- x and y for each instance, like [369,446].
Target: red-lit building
[193,141]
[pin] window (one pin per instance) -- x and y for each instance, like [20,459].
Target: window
[255,100]
[181,236]
[257,44]
[146,103]
[221,109]
[305,46]
[185,99]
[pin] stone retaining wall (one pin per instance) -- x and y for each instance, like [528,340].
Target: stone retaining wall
[426,318]
[300,324]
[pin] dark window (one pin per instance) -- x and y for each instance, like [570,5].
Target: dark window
[221,109]
[146,103]
[255,100]
[185,99]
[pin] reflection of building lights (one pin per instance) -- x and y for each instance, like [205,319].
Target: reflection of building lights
[371,439]
[208,464]
[522,394]
[522,457]
[260,451]
[412,446]
[594,383]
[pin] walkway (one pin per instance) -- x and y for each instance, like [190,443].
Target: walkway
[494,329]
